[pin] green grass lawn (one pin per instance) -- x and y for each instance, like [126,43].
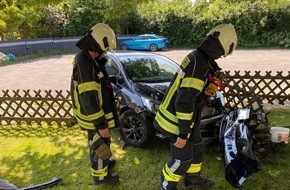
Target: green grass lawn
[35,154]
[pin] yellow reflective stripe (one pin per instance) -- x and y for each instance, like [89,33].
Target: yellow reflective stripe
[169,175]
[100,173]
[84,124]
[169,115]
[167,126]
[95,115]
[192,83]
[171,91]
[88,86]
[194,168]
[76,98]
[90,125]
[111,123]
[83,88]
[184,116]
[90,117]
[109,115]
[110,119]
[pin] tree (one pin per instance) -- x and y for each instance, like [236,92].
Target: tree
[82,15]
[16,17]
[65,17]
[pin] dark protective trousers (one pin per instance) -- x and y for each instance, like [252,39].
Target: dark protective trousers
[99,167]
[182,160]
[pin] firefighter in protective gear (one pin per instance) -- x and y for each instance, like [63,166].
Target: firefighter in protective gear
[93,100]
[179,113]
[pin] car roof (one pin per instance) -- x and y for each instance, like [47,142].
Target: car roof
[123,53]
[126,52]
[155,35]
[147,35]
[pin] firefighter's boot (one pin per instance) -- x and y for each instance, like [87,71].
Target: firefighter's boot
[174,188]
[111,164]
[170,184]
[110,178]
[195,179]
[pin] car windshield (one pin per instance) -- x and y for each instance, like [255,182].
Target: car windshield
[149,68]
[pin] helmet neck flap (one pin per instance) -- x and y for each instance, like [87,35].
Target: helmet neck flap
[88,43]
[212,47]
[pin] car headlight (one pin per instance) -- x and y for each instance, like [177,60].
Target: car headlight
[150,104]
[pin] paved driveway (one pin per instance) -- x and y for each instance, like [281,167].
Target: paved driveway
[53,72]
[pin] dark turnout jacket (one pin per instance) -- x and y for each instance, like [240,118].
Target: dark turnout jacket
[176,112]
[92,95]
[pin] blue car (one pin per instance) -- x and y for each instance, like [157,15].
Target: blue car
[151,42]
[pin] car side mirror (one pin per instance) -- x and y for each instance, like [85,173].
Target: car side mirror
[116,81]
[113,79]
[121,81]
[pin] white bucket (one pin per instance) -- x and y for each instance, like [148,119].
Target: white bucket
[279,134]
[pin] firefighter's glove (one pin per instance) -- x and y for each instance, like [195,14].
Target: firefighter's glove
[215,82]
[211,89]
[103,152]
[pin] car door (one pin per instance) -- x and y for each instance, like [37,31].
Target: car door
[120,85]
[136,43]
[146,42]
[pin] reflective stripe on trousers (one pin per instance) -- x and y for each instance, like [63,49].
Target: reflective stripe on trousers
[99,167]
[177,165]
[183,160]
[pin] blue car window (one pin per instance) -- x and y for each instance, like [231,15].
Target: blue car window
[138,38]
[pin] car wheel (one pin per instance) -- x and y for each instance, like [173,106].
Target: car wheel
[134,130]
[124,47]
[153,47]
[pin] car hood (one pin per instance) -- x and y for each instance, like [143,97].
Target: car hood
[153,90]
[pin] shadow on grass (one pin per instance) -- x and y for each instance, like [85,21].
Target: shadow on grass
[43,130]
[44,152]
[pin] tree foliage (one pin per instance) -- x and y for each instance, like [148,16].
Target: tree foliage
[17,20]
[82,15]
[259,23]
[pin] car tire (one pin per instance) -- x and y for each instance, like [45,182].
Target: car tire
[153,47]
[125,47]
[135,130]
